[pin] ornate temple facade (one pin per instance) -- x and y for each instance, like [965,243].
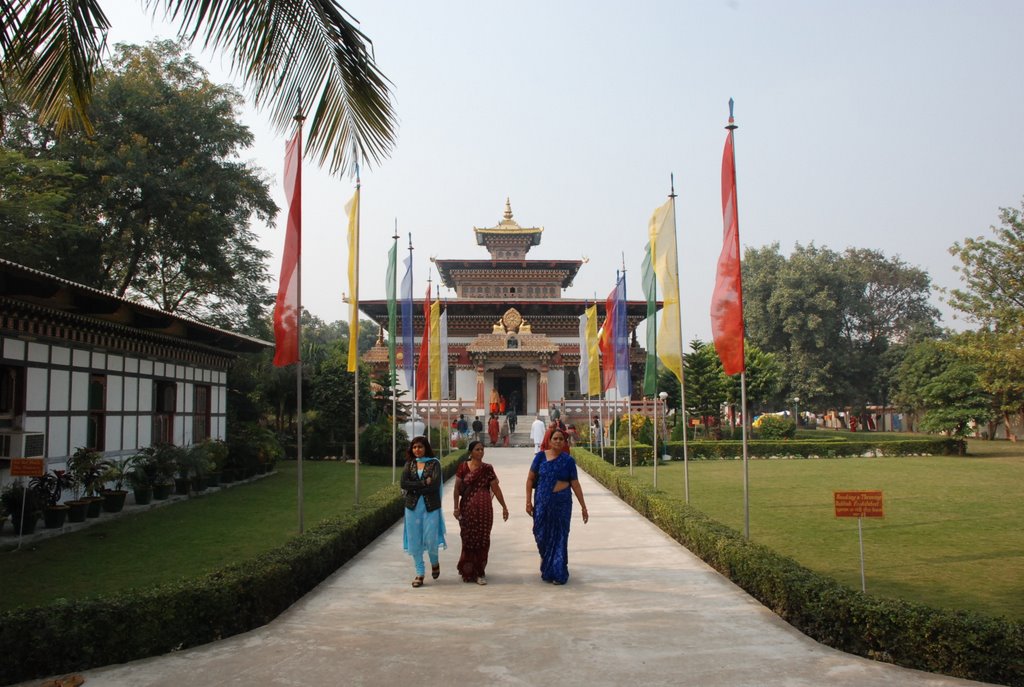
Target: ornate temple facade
[510,330]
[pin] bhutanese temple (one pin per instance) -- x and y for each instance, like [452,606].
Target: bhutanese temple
[511,330]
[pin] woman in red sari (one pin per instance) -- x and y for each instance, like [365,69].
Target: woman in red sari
[475,483]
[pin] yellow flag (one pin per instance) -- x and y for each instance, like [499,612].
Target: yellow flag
[662,234]
[352,210]
[593,358]
[435,350]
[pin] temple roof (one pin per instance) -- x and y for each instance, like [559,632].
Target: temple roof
[552,316]
[446,268]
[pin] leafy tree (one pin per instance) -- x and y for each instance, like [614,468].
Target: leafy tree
[829,317]
[163,203]
[284,51]
[764,380]
[705,383]
[333,396]
[936,383]
[992,296]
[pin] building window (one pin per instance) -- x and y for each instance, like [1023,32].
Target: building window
[12,394]
[201,410]
[96,430]
[163,412]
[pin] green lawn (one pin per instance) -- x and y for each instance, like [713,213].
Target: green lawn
[951,536]
[181,540]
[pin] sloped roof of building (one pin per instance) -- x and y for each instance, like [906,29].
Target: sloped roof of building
[47,292]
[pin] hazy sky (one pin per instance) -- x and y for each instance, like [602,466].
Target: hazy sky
[888,124]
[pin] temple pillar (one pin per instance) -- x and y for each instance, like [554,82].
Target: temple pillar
[542,391]
[480,407]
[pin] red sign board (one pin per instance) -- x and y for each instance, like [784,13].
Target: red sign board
[858,504]
[27,467]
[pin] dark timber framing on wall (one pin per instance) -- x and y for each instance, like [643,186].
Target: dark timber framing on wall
[87,368]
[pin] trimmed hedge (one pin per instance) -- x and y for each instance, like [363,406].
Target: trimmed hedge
[961,644]
[836,447]
[69,636]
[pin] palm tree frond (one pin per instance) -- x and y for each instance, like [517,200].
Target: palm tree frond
[50,49]
[290,52]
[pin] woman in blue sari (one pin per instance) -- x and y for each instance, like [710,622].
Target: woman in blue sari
[424,526]
[548,499]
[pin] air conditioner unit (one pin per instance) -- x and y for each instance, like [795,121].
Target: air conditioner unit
[22,444]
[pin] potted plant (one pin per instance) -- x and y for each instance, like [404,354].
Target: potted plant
[115,474]
[49,488]
[165,459]
[77,506]
[197,464]
[216,456]
[142,475]
[87,467]
[23,505]
[182,472]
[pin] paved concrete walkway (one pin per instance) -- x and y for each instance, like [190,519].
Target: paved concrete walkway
[638,609]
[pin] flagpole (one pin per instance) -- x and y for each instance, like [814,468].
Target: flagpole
[731,127]
[412,348]
[394,373]
[300,118]
[654,324]
[682,367]
[629,388]
[430,410]
[746,463]
[355,325]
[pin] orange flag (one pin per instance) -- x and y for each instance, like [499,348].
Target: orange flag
[287,307]
[727,300]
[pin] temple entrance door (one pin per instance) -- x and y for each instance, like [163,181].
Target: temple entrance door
[511,383]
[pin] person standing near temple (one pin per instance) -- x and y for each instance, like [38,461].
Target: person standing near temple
[537,431]
[493,429]
[478,429]
[512,419]
[503,432]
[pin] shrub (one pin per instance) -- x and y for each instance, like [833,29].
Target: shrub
[775,427]
[375,443]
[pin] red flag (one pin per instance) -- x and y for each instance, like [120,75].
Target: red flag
[423,364]
[606,342]
[727,300]
[287,307]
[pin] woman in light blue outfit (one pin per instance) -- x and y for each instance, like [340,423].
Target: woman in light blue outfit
[424,525]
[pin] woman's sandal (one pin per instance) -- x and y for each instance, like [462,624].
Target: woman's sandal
[435,571]
[417,581]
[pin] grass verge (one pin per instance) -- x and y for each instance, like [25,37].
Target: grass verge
[182,540]
[949,522]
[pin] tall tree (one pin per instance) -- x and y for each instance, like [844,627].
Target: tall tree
[992,297]
[764,381]
[941,387]
[283,51]
[163,201]
[829,317]
[705,383]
